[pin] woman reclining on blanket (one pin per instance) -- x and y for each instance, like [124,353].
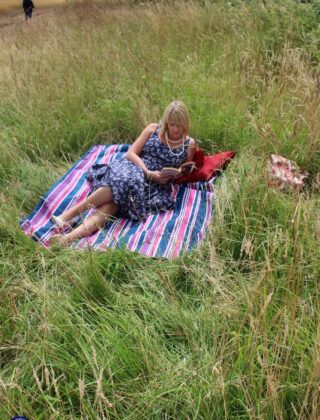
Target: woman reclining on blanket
[133,186]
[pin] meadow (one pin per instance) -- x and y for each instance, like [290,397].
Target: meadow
[7,5]
[230,330]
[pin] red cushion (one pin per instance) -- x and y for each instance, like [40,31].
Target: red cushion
[206,166]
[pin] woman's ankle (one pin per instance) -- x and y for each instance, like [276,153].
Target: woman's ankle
[64,218]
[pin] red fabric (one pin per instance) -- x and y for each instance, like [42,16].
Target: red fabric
[206,166]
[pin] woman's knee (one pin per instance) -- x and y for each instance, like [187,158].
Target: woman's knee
[103,214]
[99,197]
[111,208]
[104,190]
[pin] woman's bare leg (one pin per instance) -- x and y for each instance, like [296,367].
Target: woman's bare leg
[99,197]
[92,224]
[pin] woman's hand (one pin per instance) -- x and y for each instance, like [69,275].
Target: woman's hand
[157,178]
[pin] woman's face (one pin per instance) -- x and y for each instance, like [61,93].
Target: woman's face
[175,130]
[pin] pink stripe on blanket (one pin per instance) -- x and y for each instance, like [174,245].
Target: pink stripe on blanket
[150,242]
[135,238]
[192,222]
[185,218]
[173,236]
[113,236]
[208,216]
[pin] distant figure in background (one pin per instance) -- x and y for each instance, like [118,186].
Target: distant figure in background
[28,7]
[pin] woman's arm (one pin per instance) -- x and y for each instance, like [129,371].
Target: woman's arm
[135,150]
[191,150]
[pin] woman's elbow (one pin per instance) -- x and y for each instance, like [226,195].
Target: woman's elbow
[128,155]
[131,156]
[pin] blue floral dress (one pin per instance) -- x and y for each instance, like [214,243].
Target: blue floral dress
[136,196]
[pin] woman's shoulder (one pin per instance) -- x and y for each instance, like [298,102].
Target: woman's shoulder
[192,145]
[192,142]
[151,128]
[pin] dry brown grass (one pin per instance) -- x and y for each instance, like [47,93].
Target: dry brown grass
[13,4]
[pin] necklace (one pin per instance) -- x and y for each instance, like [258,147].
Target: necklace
[171,149]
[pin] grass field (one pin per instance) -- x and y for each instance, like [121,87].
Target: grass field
[14,4]
[230,330]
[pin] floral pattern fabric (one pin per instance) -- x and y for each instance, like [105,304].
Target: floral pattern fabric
[285,174]
[136,196]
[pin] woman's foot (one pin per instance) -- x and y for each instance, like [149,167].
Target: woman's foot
[57,240]
[60,222]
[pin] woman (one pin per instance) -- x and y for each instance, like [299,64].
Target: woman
[133,186]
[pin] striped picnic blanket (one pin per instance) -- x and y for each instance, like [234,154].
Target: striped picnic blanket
[166,234]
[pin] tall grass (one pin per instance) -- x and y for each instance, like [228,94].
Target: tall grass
[230,330]
[7,5]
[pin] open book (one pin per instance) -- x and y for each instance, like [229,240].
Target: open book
[184,169]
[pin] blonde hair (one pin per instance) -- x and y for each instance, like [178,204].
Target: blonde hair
[175,112]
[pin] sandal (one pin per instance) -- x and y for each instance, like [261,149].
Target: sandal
[61,223]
